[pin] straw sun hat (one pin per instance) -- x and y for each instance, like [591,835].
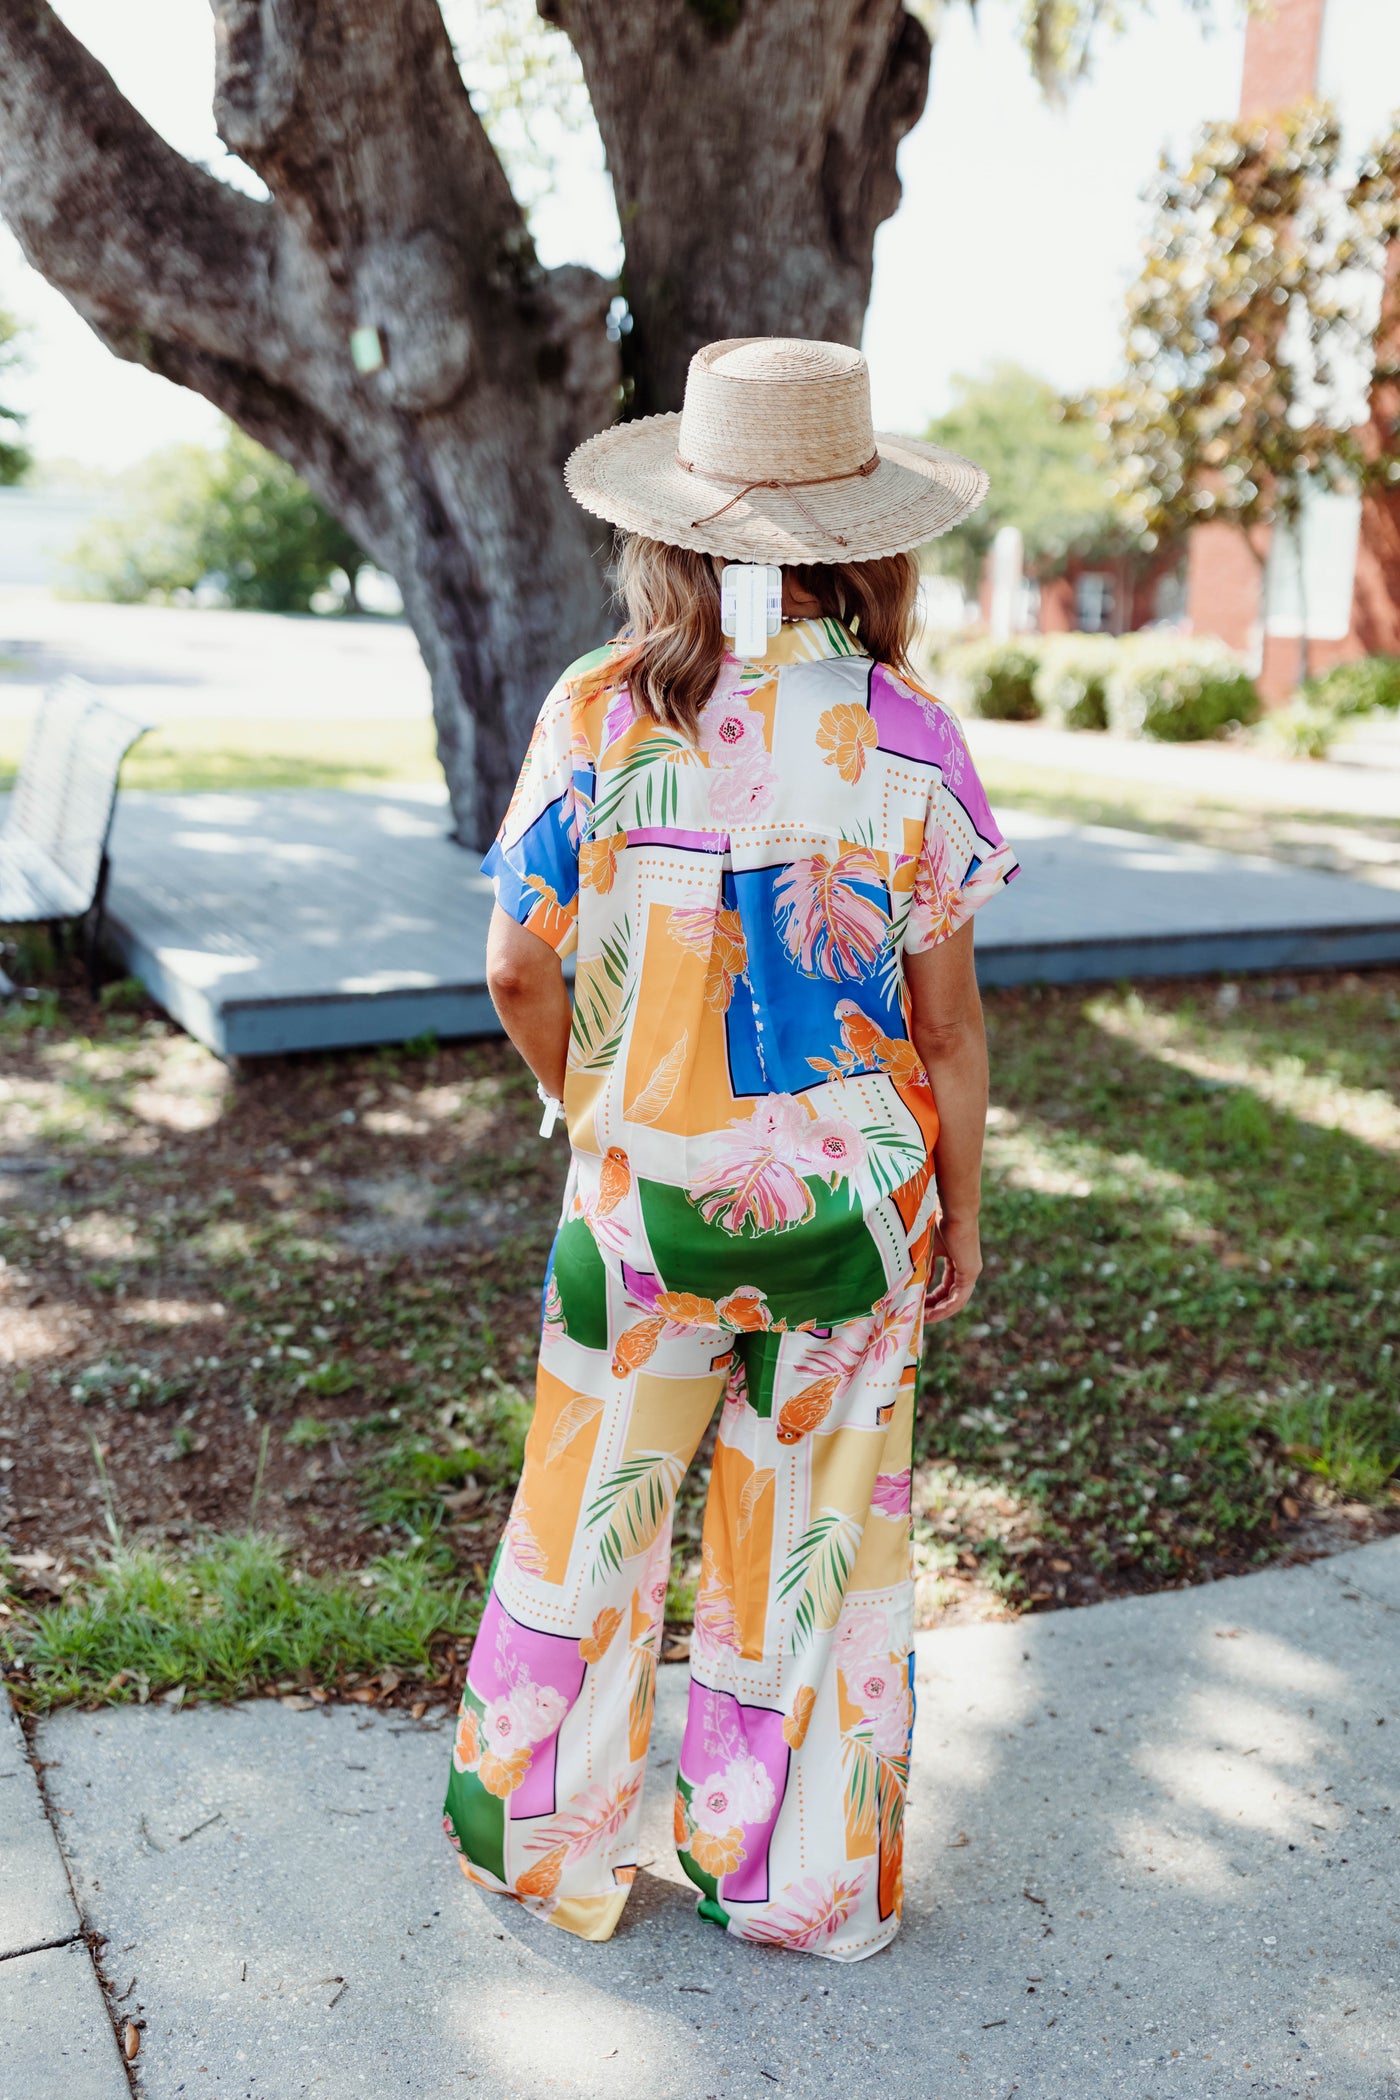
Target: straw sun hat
[774,459]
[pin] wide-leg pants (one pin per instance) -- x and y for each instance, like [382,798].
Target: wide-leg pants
[789,1806]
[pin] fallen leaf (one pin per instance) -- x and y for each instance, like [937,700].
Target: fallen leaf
[297,1703]
[131,2040]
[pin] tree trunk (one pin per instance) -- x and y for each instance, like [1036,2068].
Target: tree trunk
[751,145]
[753,160]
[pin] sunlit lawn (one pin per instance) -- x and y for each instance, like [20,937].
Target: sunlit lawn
[261,753]
[306,1300]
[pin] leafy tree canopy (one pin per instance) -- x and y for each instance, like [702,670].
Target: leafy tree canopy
[237,516]
[1046,468]
[1251,335]
[14,454]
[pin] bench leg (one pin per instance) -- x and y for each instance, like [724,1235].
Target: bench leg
[92,931]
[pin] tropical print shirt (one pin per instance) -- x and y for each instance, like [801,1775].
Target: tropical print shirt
[751,1126]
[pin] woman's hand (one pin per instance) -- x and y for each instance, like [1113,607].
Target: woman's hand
[959,1242]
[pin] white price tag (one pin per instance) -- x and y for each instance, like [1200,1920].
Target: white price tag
[750,605]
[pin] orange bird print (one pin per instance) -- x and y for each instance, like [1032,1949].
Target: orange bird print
[614,1180]
[866,1047]
[807,1410]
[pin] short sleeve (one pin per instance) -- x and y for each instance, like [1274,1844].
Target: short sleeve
[964,859]
[534,861]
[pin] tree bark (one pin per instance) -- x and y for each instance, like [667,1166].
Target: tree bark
[752,148]
[753,161]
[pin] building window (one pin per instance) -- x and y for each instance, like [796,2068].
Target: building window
[1318,592]
[1093,601]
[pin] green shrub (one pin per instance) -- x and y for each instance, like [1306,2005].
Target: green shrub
[997,678]
[1371,685]
[1071,679]
[1179,691]
[236,517]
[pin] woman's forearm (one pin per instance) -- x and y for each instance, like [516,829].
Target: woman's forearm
[955,1059]
[526,982]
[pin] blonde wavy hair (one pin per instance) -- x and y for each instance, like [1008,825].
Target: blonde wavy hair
[670,652]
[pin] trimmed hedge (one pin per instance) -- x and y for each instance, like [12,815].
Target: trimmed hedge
[1369,686]
[1179,692]
[997,678]
[1071,679]
[1172,688]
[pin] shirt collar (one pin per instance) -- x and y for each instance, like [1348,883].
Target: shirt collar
[807,642]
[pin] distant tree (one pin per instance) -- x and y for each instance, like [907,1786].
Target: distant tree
[1047,473]
[1251,335]
[380,317]
[238,517]
[14,454]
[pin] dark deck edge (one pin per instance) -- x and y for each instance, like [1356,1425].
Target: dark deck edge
[1189,955]
[270,1027]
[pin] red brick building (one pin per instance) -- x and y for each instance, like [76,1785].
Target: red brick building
[1348,51]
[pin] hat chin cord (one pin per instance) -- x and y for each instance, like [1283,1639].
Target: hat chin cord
[746,488]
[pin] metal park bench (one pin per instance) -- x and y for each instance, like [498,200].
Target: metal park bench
[53,848]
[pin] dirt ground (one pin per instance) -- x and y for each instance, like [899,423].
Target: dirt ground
[304,1297]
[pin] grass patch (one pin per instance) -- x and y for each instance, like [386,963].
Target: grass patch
[1186,1334]
[311,1298]
[186,756]
[1303,837]
[234,1617]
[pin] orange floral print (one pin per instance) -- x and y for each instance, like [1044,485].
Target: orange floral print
[467,1747]
[597,863]
[594,1646]
[502,1775]
[685,1309]
[541,1880]
[844,734]
[718,1855]
[680,1822]
[795,1724]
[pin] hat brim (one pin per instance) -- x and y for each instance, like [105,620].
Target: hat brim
[631,476]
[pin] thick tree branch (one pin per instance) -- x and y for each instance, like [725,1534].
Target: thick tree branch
[753,153]
[144,244]
[355,115]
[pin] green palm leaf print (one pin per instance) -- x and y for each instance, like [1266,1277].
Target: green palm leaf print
[616,785]
[636,1499]
[603,999]
[819,1567]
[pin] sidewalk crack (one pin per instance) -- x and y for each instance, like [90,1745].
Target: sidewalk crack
[40,1946]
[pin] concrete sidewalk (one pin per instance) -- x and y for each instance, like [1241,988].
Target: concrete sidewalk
[56,2039]
[1152,1856]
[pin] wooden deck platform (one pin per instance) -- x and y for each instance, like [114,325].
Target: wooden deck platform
[311,920]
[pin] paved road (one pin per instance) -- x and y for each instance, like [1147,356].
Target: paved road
[1152,1857]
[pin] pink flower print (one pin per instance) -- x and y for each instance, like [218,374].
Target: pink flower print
[538,1709]
[741,1793]
[861,1635]
[893,1494]
[740,794]
[750,1789]
[711,1806]
[934,913]
[833,1148]
[502,1727]
[889,1736]
[754,1173]
[732,734]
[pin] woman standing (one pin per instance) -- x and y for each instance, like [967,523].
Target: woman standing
[774,1076]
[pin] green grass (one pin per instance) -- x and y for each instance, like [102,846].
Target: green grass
[1305,837]
[235,1617]
[1190,1316]
[186,756]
